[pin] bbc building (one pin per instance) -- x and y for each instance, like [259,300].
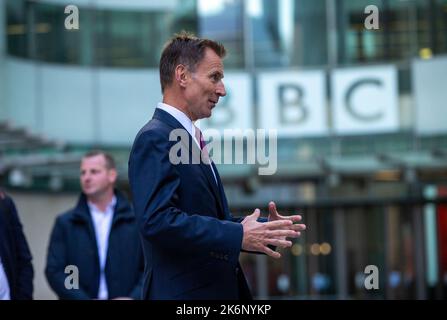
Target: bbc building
[351,96]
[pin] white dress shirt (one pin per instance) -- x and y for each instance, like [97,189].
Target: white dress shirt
[4,284]
[185,122]
[102,222]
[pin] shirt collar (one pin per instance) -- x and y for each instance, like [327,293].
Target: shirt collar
[184,120]
[179,116]
[109,208]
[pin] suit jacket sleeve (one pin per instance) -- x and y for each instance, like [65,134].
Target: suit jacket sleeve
[25,272]
[56,262]
[136,292]
[154,182]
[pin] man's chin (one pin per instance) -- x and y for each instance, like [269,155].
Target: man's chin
[206,115]
[89,193]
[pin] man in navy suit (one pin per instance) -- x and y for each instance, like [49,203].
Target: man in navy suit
[191,242]
[16,270]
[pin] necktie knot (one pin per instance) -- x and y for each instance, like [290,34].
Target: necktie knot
[205,157]
[199,137]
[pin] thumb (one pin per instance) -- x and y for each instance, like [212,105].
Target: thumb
[256,214]
[272,208]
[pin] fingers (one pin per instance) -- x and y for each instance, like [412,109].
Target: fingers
[280,243]
[256,213]
[281,238]
[278,224]
[294,227]
[282,233]
[285,238]
[272,208]
[252,217]
[271,253]
[294,218]
[284,225]
[273,212]
[298,227]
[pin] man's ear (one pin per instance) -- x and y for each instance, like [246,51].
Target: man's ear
[181,75]
[113,175]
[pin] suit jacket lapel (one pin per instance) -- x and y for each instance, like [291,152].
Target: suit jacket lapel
[193,151]
[206,169]
[224,202]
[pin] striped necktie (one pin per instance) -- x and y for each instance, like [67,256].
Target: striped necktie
[204,151]
[205,157]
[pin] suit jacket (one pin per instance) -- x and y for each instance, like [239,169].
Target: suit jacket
[14,251]
[73,242]
[190,240]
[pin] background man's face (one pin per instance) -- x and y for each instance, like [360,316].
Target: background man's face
[96,178]
[205,86]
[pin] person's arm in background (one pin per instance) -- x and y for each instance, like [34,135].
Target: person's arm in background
[25,271]
[56,263]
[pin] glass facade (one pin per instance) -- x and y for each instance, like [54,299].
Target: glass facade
[258,33]
[106,37]
[407,29]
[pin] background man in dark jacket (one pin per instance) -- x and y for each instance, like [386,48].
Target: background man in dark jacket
[16,270]
[98,240]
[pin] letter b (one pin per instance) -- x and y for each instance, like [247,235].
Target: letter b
[292,110]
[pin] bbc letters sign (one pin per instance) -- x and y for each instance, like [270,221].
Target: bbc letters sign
[295,103]
[365,100]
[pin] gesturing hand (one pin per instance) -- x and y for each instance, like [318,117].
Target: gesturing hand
[257,235]
[275,216]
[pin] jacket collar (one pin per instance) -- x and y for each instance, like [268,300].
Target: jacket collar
[122,210]
[168,119]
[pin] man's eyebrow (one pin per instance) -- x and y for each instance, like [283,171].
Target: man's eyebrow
[220,73]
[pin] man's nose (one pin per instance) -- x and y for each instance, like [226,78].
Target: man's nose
[220,90]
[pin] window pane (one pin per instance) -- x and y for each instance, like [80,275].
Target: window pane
[54,43]
[223,21]
[117,38]
[285,33]
[16,28]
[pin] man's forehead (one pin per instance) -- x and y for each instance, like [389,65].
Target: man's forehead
[97,160]
[211,60]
